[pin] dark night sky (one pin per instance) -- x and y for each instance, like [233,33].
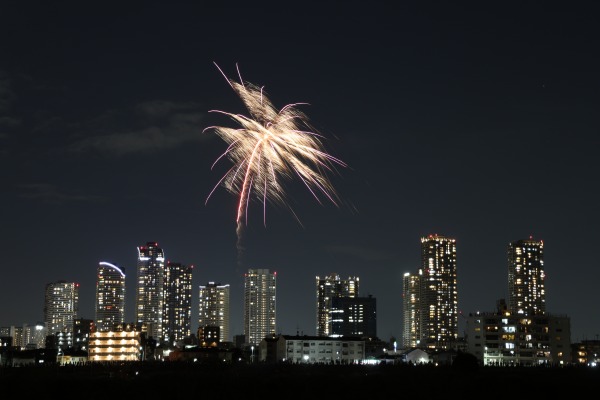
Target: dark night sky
[478,121]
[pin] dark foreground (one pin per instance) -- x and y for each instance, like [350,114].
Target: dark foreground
[285,381]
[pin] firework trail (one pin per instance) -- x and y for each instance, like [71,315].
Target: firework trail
[269,147]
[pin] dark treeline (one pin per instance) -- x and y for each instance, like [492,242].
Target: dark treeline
[183,380]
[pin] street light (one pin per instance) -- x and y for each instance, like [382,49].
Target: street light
[252,355]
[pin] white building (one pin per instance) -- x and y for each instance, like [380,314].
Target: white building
[312,350]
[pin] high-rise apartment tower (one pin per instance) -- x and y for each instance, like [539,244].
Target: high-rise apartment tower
[149,301]
[526,293]
[213,310]
[61,306]
[259,305]
[110,296]
[439,298]
[411,308]
[177,310]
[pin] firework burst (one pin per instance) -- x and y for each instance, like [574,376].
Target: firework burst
[269,147]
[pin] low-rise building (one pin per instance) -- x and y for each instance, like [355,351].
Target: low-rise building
[504,338]
[312,350]
[126,344]
[586,352]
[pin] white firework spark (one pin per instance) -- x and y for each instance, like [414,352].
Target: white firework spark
[271,146]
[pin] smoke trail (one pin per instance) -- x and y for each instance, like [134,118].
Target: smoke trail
[240,247]
[271,146]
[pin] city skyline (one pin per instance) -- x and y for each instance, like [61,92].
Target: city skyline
[473,121]
[433,247]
